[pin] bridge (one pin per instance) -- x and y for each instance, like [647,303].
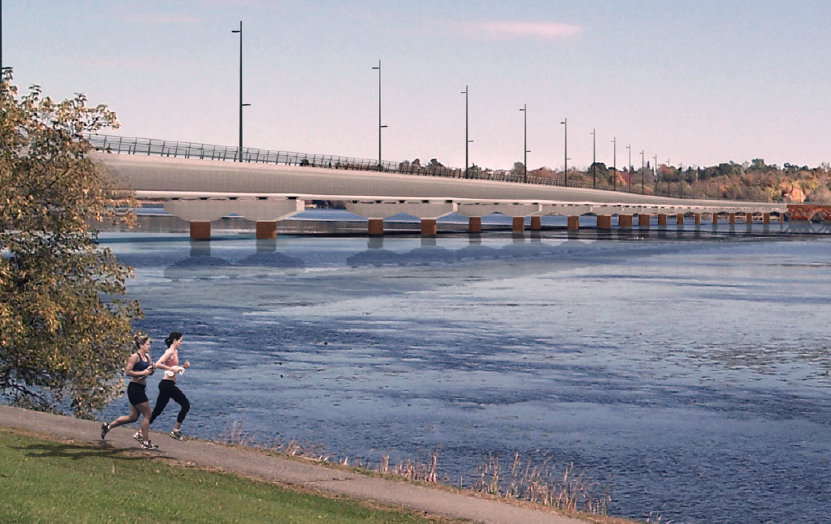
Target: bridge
[201,183]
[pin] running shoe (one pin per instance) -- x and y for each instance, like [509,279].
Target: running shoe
[148,445]
[137,436]
[177,435]
[105,428]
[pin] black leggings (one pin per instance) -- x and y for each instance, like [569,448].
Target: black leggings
[167,391]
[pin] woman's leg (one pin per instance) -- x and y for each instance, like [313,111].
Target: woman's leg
[126,419]
[162,400]
[144,408]
[180,398]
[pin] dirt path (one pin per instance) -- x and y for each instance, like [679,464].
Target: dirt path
[332,480]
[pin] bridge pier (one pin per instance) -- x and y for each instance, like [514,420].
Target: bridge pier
[604,221]
[732,218]
[624,221]
[573,222]
[679,219]
[766,218]
[266,229]
[428,227]
[748,218]
[518,225]
[697,217]
[474,224]
[715,219]
[376,227]
[643,220]
[536,223]
[200,230]
[662,219]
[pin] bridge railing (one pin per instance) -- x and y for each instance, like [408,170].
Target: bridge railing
[176,149]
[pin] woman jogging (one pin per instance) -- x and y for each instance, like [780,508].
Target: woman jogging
[139,366]
[167,386]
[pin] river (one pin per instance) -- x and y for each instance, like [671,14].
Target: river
[688,373]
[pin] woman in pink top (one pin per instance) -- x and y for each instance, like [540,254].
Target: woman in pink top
[169,362]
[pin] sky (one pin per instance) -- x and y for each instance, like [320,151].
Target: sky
[689,82]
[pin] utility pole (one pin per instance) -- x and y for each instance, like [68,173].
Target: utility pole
[614,163]
[467,141]
[629,147]
[380,127]
[643,173]
[565,162]
[594,158]
[525,144]
[241,105]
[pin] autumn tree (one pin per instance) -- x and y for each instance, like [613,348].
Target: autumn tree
[65,323]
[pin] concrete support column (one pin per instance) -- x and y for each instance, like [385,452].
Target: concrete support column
[643,220]
[748,218]
[518,224]
[766,218]
[697,218]
[474,224]
[573,222]
[662,219]
[428,226]
[624,221]
[266,229]
[200,230]
[679,219]
[536,223]
[604,221]
[715,218]
[376,226]
[732,217]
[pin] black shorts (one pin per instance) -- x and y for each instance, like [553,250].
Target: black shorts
[137,393]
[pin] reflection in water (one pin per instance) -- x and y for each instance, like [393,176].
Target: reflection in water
[669,370]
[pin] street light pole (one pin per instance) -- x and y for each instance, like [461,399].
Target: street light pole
[643,172]
[594,158]
[565,166]
[380,127]
[525,144]
[629,147]
[467,140]
[614,163]
[655,175]
[241,105]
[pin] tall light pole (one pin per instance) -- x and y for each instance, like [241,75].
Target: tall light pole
[594,158]
[643,172]
[241,105]
[565,167]
[655,174]
[525,151]
[614,163]
[380,127]
[467,140]
[629,147]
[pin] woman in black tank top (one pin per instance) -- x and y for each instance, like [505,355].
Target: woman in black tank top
[139,367]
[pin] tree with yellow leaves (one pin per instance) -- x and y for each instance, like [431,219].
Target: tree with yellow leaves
[65,323]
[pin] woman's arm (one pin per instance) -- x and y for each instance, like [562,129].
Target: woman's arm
[128,369]
[160,363]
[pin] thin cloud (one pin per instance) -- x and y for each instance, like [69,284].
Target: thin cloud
[121,63]
[163,19]
[503,30]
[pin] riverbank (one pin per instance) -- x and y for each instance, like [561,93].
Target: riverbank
[338,481]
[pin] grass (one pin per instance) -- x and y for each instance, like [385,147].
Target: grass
[51,481]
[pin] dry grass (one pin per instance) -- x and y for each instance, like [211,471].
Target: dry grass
[540,484]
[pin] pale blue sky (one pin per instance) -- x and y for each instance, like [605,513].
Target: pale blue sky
[692,81]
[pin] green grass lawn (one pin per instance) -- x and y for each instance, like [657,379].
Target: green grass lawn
[50,481]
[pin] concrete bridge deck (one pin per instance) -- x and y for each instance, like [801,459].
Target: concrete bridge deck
[201,191]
